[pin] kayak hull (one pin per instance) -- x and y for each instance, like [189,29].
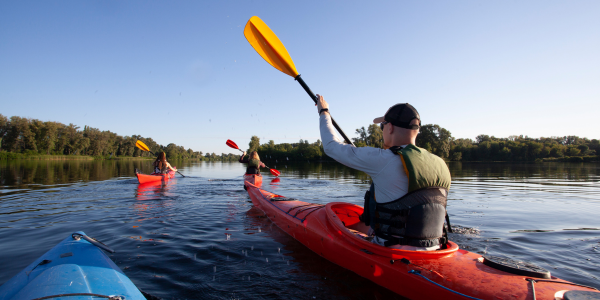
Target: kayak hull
[145,178]
[334,232]
[75,266]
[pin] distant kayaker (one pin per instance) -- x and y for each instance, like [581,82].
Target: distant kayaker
[161,166]
[253,161]
[406,204]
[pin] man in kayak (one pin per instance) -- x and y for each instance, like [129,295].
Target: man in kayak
[406,204]
[253,161]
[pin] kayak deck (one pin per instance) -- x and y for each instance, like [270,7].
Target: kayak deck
[335,232]
[73,266]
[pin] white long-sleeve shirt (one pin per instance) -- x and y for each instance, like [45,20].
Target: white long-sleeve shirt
[384,167]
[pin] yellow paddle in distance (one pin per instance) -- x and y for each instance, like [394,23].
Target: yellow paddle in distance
[266,43]
[143,147]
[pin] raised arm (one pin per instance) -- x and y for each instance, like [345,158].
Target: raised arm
[242,160]
[366,159]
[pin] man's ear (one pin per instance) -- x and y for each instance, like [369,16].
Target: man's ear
[391,128]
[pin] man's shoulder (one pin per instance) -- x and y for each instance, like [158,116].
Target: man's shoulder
[376,155]
[384,153]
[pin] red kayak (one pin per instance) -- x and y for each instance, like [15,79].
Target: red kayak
[143,178]
[335,232]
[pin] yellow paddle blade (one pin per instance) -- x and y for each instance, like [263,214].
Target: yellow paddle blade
[266,43]
[142,146]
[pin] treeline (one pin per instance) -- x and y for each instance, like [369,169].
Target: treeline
[27,137]
[439,141]
[301,151]
[514,148]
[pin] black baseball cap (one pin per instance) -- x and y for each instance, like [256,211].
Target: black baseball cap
[401,115]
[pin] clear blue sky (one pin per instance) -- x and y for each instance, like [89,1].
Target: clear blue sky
[182,72]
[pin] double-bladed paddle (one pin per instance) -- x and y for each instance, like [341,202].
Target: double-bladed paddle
[233,145]
[143,147]
[266,43]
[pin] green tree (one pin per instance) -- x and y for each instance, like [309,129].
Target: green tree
[254,143]
[362,137]
[372,136]
[435,137]
[375,137]
[4,126]
[19,136]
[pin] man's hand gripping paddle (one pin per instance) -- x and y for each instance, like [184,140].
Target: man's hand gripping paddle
[266,43]
[233,145]
[143,147]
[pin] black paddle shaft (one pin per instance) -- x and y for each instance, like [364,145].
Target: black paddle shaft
[314,97]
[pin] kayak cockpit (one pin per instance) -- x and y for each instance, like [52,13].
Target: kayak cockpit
[345,217]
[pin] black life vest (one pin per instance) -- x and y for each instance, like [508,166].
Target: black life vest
[417,218]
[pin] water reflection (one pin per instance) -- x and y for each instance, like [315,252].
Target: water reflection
[583,172]
[154,190]
[18,174]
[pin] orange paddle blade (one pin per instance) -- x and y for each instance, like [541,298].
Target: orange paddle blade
[268,45]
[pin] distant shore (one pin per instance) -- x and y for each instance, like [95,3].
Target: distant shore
[22,156]
[31,156]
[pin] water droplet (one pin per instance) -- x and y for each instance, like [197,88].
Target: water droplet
[259,229]
[260,253]
[215,269]
[252,248]
[267,259]
[288,262]
[278,250]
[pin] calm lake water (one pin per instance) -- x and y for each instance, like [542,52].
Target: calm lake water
[199,237]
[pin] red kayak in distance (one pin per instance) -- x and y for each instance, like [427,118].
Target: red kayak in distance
[335,232]
[144,178]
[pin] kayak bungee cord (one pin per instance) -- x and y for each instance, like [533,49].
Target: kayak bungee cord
[419,274]
[532,286]
[564,282]
[76,236]
[80,294]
